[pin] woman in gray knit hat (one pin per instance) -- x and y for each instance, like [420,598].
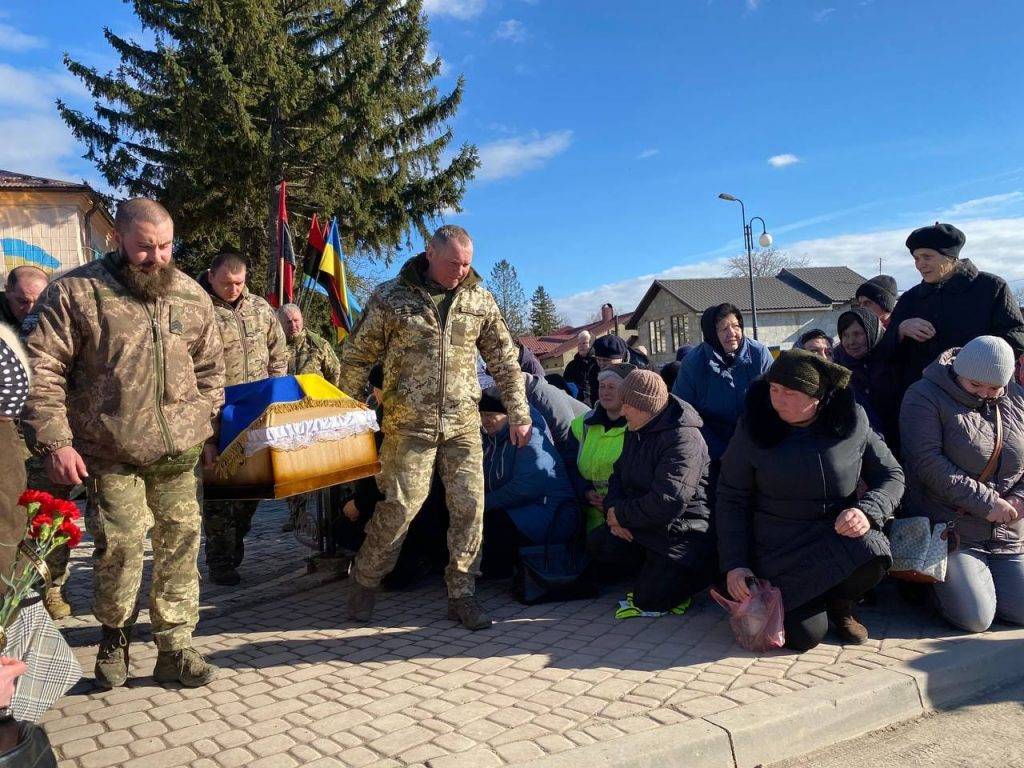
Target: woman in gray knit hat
[948,429]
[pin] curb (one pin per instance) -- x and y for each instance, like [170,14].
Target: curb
[949,673]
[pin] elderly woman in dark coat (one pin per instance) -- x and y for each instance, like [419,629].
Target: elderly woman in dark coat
[657,503]
[871,376]
[952,304]
[788,507]
[948,426]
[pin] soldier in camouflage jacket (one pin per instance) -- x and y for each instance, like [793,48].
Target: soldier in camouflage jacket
[128,384]
[307,352]
[426,327]
[254,349]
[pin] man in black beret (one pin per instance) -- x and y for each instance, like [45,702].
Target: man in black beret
[608,351]
[952,304]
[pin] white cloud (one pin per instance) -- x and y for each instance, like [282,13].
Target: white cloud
[753,5]
[27,89]
[507,158]
[460,9]
[512,30]
[36,145]
[983,205]
[648,153]
[781,161]
[992,244]
[824,13]
[12,39]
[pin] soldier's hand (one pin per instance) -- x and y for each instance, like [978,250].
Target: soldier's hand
[209,456]
[65,466]
[520,434]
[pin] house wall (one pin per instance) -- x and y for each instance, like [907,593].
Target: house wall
[47,229]
[663,307]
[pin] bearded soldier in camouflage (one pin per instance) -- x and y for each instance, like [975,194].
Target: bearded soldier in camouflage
[426,326]
[254,349]
[307,353]
[128,383]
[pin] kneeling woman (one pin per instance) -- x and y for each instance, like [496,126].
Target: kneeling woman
[656,505]
[948,422]
[788,507]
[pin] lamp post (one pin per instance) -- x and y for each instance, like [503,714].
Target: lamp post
[765,241]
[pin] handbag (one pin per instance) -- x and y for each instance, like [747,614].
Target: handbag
[555,572]
[919,552]
[32,750]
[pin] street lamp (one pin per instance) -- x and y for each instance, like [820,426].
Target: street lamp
[765,241]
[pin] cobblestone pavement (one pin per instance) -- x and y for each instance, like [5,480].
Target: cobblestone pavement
[299,686]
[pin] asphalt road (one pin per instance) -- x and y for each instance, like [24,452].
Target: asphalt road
[988,733]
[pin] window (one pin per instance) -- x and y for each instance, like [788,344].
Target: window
[656,330]
[680,330]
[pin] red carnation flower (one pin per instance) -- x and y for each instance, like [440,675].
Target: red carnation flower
[72,531]
[31,496]
[37,524]
[66,509]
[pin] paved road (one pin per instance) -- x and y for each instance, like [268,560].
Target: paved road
[987,734]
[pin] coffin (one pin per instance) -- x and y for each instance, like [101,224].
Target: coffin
[290,435]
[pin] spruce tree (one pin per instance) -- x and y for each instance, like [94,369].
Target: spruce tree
[508,293]
[334,96]
[544,317]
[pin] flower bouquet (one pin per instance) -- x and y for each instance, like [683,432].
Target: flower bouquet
[50,524]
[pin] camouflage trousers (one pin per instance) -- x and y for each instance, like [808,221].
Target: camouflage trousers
[407,465]
[226,523]
[39,480]
[125,503]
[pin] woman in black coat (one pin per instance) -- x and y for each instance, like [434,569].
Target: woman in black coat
[788,507]
[952,304]
[871,375]
[657,503]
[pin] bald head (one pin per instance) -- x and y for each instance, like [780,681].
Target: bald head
[24,286]
[139,209]
[449,256]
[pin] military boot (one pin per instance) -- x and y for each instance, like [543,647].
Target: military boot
[469,612]
[224,573]
[360,602]
[185,666]
[112,658]
[55,604]
[840,613]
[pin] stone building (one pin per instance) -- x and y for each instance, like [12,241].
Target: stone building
[51,224]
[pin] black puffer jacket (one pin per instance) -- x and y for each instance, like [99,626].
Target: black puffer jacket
[782,488]
[659,486]
[969,304]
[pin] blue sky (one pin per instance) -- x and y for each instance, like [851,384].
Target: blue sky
[607,129]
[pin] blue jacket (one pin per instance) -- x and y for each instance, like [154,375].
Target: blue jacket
[717,391]
[531,485]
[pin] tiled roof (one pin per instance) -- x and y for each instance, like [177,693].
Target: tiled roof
[807,288]
[563,339]
[838,284]
[12,180]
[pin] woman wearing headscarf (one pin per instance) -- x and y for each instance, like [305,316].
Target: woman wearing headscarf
[816,341]
[952,304]
[788,504]
[658,521]
[597,436]
[871,378]
[948,422]
[715,376]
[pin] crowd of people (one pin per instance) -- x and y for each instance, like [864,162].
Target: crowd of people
[728,465]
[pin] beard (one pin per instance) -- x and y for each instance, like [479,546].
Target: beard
[147,286]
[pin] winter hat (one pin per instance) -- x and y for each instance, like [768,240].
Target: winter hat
[490,403]
[645,391]
[987,359]
[619,371]
[376,377]
[882,290]
[669,373]
[684,350]
[944,238]
[808,373]
[610,346]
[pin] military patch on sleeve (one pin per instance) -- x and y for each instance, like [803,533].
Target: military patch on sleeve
[175,324]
